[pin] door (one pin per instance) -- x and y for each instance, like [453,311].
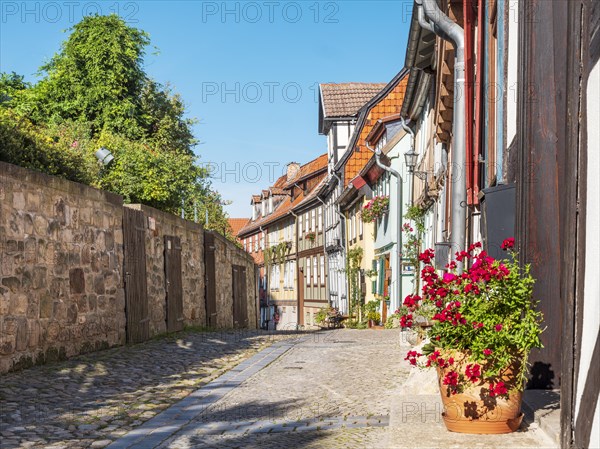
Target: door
[240,297]
[136,297]
[211,292]
[173,283]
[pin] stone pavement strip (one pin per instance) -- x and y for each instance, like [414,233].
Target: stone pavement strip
[91,400]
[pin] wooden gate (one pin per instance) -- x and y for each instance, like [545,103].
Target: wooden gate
[211,293]
[136,297]
[173,283]
[240,297]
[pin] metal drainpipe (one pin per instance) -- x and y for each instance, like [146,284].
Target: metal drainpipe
[342,234]
[448,30]
[398,218]
[411,181]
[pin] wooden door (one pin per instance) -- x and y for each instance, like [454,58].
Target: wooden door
[173,283]
[210,289]
[136,295]
[240,297]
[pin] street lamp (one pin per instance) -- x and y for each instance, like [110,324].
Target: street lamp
[410,158]
[104,156]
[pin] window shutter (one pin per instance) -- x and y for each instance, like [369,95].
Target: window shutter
[380,276]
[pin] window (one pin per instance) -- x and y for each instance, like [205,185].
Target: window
[286,275]
[262,241]
[274,281]
[245,244]
[360,226]
[292,274]
[255,237]
[315,270]
[320,219]
[306,228]
[308,272]
[300,225]
[322,260]
[313,220]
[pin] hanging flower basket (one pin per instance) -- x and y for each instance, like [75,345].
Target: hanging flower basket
[484,326]
[311,236]
[376,208]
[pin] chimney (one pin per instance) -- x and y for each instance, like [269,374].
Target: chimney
[293,168]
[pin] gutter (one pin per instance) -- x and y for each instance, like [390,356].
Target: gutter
[444,27]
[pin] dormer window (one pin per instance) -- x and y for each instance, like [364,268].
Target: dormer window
[270,204]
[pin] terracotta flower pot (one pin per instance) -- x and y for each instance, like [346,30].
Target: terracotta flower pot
[474,410]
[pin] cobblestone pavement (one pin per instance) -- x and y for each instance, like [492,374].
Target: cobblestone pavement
[327,390]
[92,400]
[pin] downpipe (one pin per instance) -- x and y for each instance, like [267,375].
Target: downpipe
[448,30]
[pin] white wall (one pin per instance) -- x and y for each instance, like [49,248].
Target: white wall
[591,307]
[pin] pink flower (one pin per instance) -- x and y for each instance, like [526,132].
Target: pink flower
[487,351]
[498,327]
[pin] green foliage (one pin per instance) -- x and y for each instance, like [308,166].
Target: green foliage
[413,238]
[47,150]
[354,259]
[95,92]
[322,315]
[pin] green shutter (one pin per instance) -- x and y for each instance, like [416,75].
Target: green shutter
[380,276]
[374,279]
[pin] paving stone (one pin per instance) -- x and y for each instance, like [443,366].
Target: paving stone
[98,396]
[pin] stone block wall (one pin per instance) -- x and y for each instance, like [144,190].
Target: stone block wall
[159,224]
[61,262]
[228,254]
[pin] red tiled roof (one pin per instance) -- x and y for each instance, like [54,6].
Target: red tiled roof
[345,99]
[388,105]
[237,224]
[277,191]
[317,164]
[284,206]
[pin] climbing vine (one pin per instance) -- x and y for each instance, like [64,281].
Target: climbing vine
[413,238]
[277,253]
[354,259]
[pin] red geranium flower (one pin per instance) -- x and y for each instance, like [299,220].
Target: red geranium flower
[508,243]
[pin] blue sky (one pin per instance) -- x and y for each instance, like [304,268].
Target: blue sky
[248,71]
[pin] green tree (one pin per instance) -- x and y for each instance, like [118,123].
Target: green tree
[95,92]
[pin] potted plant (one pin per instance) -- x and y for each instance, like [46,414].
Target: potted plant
[372,315]
[484,326]
[375,208]
[311,236]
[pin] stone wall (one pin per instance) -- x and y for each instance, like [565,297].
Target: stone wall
[228,254]
[62,289]
[159,224]
[61,283]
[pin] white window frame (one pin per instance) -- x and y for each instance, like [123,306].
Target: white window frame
[306,227]
[313,220]
[308,271]
[322,267]
[315,271]
[320,220]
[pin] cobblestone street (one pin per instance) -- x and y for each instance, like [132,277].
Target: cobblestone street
[334,389]
[90,401]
